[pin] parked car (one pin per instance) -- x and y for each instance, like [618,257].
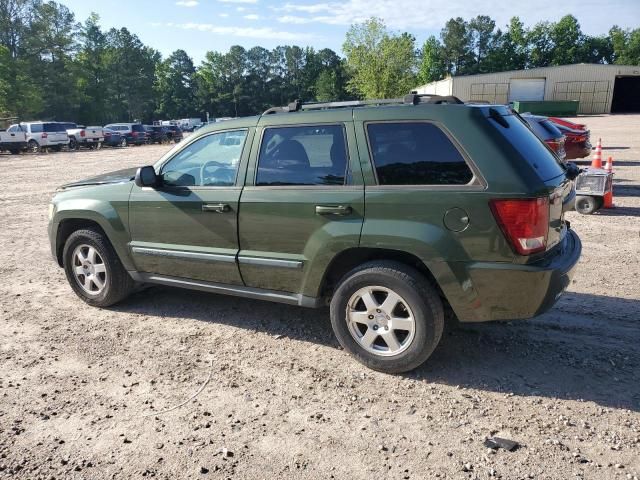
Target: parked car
[567,123]
[81,136]
[174,133]
[158,134]
[43,135]
[132,133]
[112,138]
[464,213]
[548,133]
[577,140]
[14,139]
[189,124]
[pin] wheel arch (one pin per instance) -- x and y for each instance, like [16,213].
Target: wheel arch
[348,259]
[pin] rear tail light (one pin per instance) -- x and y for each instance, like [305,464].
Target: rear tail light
[82,133]
[134,134]
[44,135]
[524,222]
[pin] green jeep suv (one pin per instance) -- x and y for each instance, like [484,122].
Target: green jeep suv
[391,212]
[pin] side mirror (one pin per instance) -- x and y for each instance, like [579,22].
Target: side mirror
[572,171]
[146,177]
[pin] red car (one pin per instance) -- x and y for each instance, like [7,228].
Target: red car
[577,138]
[548,132]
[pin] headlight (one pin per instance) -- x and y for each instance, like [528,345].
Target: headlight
[52,208]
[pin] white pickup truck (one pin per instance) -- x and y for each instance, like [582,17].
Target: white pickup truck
[13,139]
[80,136]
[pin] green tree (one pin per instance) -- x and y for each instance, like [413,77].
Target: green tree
[432,63]
[91,72]
[174,86]
[540,43]
[51,46]
[381,64]
[481,31]
[568,40]
[456,41]
[625,46]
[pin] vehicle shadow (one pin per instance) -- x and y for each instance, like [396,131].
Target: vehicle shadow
[585,348]
[625,190]
[619,211]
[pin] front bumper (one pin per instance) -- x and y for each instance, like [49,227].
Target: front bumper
[507,291]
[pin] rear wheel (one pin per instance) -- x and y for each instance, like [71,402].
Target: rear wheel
[388,316]
[94,270]
[123,142]
[33,146]
[73,144]
[586,204]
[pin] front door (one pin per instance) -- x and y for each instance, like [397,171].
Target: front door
[188,227]
[303,203]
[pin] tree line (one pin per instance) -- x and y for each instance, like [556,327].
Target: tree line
[53,67]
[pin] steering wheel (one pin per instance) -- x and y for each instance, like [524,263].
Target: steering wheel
[205,165]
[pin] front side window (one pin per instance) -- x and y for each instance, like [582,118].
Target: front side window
[209,161]
[417,153]
[306,155]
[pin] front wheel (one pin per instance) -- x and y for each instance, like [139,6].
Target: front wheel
[586,204]
[123,142]
[94,270]
[33,146]
[388,316]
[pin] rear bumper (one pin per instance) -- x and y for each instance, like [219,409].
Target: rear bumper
[499,291]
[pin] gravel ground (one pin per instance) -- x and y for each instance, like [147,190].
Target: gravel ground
[79,386]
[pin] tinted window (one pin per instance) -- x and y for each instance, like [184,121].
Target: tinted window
[69,126]
[530,147]
[209,161]
[137,128]
[53,127]
[312,155]
[415,154]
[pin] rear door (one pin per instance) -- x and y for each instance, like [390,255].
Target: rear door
[187,227]
[303,202]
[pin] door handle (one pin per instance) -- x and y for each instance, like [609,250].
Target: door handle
[216,207]
[333,209]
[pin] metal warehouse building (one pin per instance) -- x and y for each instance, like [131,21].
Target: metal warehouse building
[598,88]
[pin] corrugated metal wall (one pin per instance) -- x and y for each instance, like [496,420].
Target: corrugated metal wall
[591,84]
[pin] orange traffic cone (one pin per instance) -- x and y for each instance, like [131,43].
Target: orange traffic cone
[608,197]
[596,162]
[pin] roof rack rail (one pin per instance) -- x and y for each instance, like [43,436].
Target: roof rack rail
[410,99]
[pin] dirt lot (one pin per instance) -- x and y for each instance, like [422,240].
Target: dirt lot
[77,384]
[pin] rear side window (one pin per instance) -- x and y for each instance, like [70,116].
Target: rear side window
[309,155]
[417,153]
[36,128]
[53,127]
[530,147]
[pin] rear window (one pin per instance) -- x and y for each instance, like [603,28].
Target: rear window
[137,128]
[53,127]
[530,147]
[416,154]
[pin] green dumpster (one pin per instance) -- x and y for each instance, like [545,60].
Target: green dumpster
[560,108]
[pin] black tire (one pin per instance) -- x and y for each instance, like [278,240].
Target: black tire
[119,283]
[586,204]
[33,146]
[415,290]
[123,142]
[73,144]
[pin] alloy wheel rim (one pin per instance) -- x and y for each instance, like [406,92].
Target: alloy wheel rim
[89,269]
[380,321]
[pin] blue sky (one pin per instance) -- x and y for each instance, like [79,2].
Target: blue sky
[201,25]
